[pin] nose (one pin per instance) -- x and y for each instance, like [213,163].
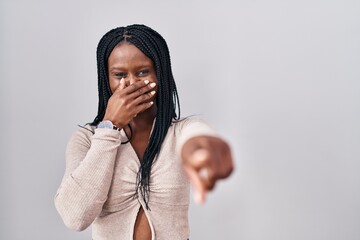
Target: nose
[131,79]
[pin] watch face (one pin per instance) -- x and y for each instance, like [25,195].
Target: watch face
[105,124]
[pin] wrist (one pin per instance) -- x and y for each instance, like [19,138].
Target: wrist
[108,125]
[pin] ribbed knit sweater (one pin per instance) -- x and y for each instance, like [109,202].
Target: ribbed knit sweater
[99,184]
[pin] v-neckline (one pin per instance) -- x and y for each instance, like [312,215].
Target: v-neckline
[124,138]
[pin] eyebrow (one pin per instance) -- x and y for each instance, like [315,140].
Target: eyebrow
[137,67]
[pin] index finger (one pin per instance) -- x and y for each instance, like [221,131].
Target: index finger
[197,183]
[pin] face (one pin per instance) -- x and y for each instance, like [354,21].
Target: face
[128,62]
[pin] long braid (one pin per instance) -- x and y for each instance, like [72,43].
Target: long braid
[153,45]
[164,116]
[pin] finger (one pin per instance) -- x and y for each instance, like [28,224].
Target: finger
[224,163]
[142,107]
[197,183]
[201,160]
[121,85]
[142,90]
[146,97]
[197,169]
[136,86]
[208,178]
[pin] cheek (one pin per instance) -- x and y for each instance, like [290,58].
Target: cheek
[153,78]
[113,85]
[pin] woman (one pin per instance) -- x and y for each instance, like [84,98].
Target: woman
[127,173]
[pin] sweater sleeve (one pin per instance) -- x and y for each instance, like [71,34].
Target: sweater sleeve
[193,127]
[90,160]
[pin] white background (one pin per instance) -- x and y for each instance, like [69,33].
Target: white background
[279,79]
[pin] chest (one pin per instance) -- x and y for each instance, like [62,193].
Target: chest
[168,182]
[139,143]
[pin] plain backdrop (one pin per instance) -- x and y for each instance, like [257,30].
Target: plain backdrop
[280,80]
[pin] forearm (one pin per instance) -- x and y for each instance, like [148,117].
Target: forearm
[84,190]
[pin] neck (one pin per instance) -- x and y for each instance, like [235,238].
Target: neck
[141,125]
[144,120]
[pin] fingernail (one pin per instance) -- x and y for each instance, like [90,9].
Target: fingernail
[152,92]
[152,84]
[121,80]
[146,81]
[151,103]
[197,198]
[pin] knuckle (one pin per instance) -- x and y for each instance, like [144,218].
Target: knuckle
[125,101]
[143,97]
[127,107]
[139,84]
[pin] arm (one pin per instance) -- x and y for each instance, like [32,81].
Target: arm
[89,169]
[90,159]
[206,157]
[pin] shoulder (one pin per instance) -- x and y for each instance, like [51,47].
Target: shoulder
[191,121]
[192,127]
[193,124]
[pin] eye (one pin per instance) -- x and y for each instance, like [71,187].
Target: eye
[120,75]
[143,73]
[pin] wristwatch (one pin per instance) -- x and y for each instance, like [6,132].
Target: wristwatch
[108,124]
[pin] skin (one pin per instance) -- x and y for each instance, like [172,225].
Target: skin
[132,79]
[210,154]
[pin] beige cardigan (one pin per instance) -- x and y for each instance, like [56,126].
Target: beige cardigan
[100,179]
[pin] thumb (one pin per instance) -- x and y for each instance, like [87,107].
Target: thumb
[121,85]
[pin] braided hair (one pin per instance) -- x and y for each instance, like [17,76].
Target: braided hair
[153,45]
